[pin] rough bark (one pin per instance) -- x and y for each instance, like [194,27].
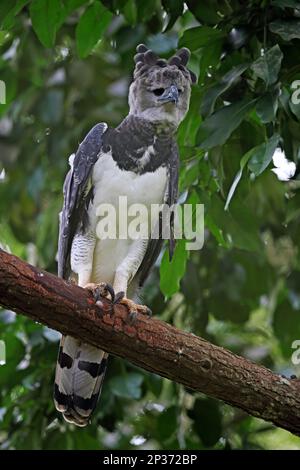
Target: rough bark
[150,343]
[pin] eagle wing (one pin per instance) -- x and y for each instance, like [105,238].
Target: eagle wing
[155,244]
[77,193]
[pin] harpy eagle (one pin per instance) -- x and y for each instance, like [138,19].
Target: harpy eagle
[139,160]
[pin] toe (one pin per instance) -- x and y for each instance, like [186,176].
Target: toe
[119,296]
[144,310]
[111,291]
[148,312]
[97,293]
[132,316]
[94,289]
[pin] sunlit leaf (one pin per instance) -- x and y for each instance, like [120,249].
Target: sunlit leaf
[238,176]
[45,16]
[171,272]
[91,27]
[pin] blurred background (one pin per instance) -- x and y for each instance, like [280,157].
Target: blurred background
[66,65]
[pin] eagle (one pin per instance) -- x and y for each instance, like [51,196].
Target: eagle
[139,160]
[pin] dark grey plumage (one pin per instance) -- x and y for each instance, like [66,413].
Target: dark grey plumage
[75,195]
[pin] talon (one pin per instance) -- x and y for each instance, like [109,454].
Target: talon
[132,316]
[110,289]
[96,294]
[119,296]
[101,290]
[148,312]
[132,306]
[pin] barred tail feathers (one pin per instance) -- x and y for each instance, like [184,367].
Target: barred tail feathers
[80,371]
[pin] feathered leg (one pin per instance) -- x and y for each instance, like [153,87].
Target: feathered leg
[80,368]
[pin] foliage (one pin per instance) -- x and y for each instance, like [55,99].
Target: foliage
[67,65]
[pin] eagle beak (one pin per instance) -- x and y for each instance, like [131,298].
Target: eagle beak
[170,94]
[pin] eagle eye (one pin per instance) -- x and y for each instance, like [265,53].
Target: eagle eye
[158,91]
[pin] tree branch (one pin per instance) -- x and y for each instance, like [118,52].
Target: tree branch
[150,343]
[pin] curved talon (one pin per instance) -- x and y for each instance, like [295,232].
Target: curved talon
[133,308]
[132,316]
[148,312]
[110,289]
[119,296]
[101,290]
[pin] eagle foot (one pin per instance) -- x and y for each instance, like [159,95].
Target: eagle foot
[132,307]
[103,289]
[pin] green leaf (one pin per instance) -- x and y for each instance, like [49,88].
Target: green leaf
[288,30]
[15,352]
[267,106]
[71,5]
[267,67]
[5,9]
[238,226]
[286,324]
[67,8]
[262,155]
[215,230]
[167,423]
[286,3]
[4,37]
[207,420]
[130,12]
[155,384]
[188,128]
[205,12]
[171,272]
[45,16]
[174,8]
[214,92]
[238,176]
[218,127]
[146,10]
[210,58]
[7,21]
[294,107]
[127,386]
[200,36]
[91,27]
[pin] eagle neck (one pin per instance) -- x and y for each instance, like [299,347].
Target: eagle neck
[147,130]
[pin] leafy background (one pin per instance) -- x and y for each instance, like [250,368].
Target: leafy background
[67,65]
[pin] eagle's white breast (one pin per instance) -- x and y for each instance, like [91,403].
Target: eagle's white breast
[110,182]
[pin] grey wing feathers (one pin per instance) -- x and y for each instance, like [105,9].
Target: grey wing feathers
[76,194]
[172,194]
[155,245]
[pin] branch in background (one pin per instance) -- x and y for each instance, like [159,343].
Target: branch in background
[150,344]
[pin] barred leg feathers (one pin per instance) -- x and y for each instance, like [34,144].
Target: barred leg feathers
[80,371]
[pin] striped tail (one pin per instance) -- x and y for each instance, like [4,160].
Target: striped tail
[80,371]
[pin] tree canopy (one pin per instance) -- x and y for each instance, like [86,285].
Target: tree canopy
[66,65]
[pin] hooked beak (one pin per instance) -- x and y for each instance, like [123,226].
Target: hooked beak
[170,94]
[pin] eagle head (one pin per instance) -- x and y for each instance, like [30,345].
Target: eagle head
[160,91]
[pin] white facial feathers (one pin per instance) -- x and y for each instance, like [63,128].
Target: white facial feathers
[153,77]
